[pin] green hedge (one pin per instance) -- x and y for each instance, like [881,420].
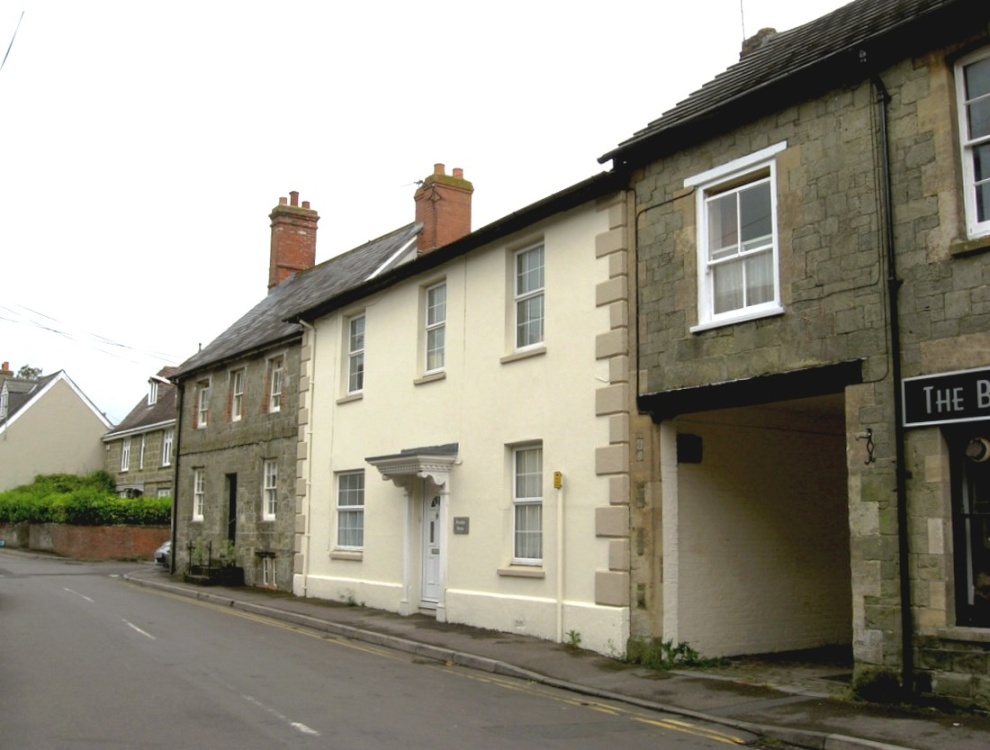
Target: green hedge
[81,501]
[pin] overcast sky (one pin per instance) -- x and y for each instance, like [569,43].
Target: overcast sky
[144,144]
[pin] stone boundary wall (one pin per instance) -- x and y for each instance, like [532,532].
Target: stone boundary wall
[87,542]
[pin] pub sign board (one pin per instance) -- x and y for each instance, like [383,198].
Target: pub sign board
[962,396]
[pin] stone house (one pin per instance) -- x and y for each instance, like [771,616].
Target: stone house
[47,426]
[464,436]
[238,407]
[139,450]
[813,331]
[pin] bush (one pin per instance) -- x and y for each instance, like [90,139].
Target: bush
[80,501]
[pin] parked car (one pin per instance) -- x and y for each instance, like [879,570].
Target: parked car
[163,555]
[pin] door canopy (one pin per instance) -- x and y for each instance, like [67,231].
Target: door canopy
[431,462]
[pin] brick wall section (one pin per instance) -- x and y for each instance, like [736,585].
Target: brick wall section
[613,403]
[224,448]
[92,542]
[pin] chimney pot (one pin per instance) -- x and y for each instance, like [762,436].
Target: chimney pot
[438,168]
[305,204]
[458,173]
[293,197]
[283,201]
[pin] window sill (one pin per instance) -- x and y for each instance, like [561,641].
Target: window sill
[766,312]
[969,247]
[522,571]
[343,554]
[965,633]
[432,377]
[536,351]
[350,397]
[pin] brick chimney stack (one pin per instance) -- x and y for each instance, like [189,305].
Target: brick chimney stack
[293,239]
[443,207]
[5,371]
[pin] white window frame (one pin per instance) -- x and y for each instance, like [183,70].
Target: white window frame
[199,494]
[276,378]
[717,183]
[202,404]
[355,353]
[435,327]
[267,571]
[152,392]
[522,505]
[163,492]
[144,446]
[350,505]
[522,298]
[269,490]
[968,145]
[237,395]
[125,454]
[167,437]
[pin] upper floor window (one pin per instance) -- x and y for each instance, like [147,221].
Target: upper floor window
[738,277]
[202,403]
[350,510]
[355,354]
[269,490]
[152,392]
[199,494]
[236,395]
[973,95]
[436,324]
[529,297]
[276,371]
[125,454]
[527,501]
[167,447]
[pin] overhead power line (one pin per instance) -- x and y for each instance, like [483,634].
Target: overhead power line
[12,38]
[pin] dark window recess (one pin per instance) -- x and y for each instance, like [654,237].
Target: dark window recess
[688,449]
[970,458]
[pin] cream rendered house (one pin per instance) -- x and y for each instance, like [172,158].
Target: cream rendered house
[464,440]
[47,426]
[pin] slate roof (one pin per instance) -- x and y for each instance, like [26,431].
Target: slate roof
[800,62]
[265,325]
[144,415]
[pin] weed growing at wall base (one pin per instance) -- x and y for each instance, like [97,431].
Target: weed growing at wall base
[654,653]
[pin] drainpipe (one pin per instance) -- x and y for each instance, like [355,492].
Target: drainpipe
[179,396]
[309,453]
[560,564]
[900,470]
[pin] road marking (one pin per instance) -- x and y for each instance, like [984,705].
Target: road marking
[132,626]
[696,731]
[81,596]
[297,725]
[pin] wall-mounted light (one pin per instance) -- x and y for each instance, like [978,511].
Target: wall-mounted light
[978,450]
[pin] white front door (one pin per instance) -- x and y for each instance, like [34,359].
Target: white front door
[431,551]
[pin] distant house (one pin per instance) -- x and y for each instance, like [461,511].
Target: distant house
[47,426]
[813,335]
[238,415]
[139,450]
[463,443]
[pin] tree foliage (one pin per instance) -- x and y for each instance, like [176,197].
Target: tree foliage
[80,501]
[29,373]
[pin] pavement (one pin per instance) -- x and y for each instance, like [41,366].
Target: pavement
[795,703]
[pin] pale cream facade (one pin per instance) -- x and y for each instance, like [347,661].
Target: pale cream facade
[57,431]
[436,447]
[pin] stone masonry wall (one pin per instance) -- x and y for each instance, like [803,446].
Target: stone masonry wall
[225,447]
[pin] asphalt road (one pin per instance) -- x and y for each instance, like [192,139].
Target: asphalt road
[89,661]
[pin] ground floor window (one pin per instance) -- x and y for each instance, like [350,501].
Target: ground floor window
[970,455]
